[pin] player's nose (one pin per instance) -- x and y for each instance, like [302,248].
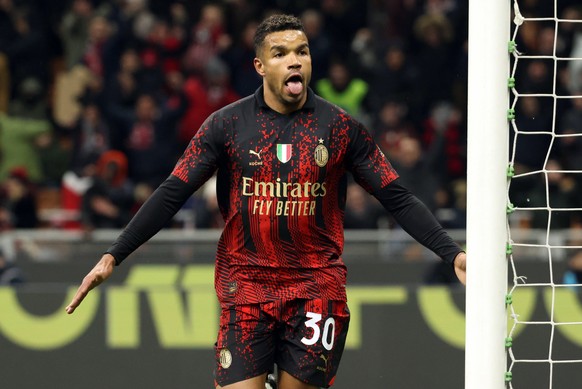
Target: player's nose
[294,62]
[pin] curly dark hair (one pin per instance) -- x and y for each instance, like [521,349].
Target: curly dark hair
[275,23]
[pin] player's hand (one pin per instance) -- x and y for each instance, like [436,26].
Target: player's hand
[96,276]
[461,267]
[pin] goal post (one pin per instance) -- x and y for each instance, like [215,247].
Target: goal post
[487,161]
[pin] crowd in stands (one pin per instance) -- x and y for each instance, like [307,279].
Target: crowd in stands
[98,98]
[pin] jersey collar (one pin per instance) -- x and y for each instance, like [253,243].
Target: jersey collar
[309,103]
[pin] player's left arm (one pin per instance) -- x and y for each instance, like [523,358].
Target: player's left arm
[373,171]
[417,220]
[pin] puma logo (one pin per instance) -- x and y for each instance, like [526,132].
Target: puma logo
[325,360]
[255,162]
[253,152]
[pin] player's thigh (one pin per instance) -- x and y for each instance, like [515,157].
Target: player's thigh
[251,383]
[245,346]
[312,341]
[287,381]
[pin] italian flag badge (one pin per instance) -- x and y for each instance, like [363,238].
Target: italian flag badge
[284,152]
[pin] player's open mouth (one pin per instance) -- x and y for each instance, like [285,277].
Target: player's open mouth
[294,84]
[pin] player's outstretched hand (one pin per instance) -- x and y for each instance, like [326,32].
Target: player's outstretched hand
[96,276]
[461,267]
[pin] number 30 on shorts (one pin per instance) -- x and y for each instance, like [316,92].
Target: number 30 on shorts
[328,332]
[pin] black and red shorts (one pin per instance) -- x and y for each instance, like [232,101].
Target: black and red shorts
[305,338]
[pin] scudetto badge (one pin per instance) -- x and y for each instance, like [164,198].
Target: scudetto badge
[321,154]
[225,358]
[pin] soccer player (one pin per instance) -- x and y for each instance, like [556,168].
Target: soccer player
[281,158]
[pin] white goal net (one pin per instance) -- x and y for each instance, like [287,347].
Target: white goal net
[545,196]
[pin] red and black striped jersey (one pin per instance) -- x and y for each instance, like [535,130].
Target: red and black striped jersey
[281,188]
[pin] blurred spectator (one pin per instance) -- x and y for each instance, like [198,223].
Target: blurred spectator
[391,125]
[28,51]
[205,95]
[206,210]
[341,20]
[573,273]
[69,87]
[209,39]
[417,168]
[546,43]
[362,211]
[568,31]
[575,67]
[150,77]
[570,140]
[10,274]
[123,88]
[150,137]
[98,49]
[445,121]
[55,152]
[74,31]
[319,43]
[178,14]
[7,31]
[74,185]
[29,100]
[363,56]
[394,78]
[19,143]
[87,81]
[452,205]
[556,190]
[239,13]
[392,20]
[107,203]
[532,116]
[434,60]
[239,58]
[160,52]
[19,200]
[535,77]
[90,137]
[344,90]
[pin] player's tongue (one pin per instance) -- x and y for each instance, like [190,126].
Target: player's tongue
[295,87]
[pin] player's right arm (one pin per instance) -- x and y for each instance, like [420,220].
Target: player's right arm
[195,167]
[155,213]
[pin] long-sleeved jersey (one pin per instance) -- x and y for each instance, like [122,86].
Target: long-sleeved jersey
[281,188]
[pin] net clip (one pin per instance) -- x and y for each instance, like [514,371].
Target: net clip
[510,171]
[508,299]
[510,208]
[509,249]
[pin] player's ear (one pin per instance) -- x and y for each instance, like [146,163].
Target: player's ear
[259,66]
